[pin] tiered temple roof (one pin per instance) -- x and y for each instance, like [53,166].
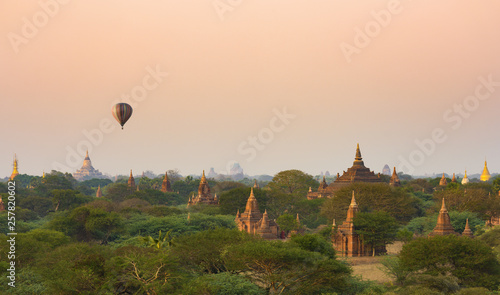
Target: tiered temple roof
[204,196]
[254,222]
[442,181]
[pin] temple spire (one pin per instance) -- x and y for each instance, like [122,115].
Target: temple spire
[485,176]
[14,170]
[98,194]
[443,226]
[465,180]
[353,209]
[358,160]
[467,231]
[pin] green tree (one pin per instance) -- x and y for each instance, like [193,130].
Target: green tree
[371,197]
[287,222]
[222,284]
[292,182]
[160,242]
[469,260]
[201,252]
[376,229]
[236,199]
[63,199]
[287,268]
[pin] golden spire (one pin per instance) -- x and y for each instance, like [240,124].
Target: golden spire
[453,179]
[14,171]
[203,179]
[465,180]
[131,173]
[358,153]
[443,181]
[486,174]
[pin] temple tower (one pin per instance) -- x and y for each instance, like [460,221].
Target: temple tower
[254,222]
[131,181]
[87,171]
[454,180]
[256,185]
[394,179]
[465,180]
[204,196]
[98,194]
[165,186]
[443,181]
[467,231]
[443,226]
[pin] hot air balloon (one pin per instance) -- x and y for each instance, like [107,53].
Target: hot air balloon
[122,112]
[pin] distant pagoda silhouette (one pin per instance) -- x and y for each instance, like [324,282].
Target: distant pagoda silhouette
[87,171]
[165,186]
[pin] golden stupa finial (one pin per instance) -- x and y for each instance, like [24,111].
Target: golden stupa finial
[485,176]
[15,172]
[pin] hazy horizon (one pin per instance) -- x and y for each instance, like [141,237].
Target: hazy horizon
[272,85]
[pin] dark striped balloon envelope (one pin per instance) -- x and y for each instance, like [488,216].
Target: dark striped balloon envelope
[122,112]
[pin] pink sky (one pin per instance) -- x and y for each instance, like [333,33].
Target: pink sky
[229,71]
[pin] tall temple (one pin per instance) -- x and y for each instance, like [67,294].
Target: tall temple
[346,241]
[357,173]
[465,180]
[395,179]
[204,196]
[98,194]
[131,181]
[87,171]
[454,179]
[443,226]
[322,191]
[485,176]
[443,181]
[165,186]
[254,222]
[14,170]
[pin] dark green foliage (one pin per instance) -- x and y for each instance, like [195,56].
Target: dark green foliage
[424,225]
[88,224]
[314,243]
[371,197]
[160,211]
[201,252]
[41,206]
[287,222]
[74,268]
[376,229]
[180,224]
[469,260]
[117,192]
[491,237]
[222,284]
[63,199]
[286,267]
[478,200]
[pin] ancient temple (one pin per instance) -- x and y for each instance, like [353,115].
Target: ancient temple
[254,222]
[485,176]
[443,181]
[204,196]
[345,240]
[394,179]
[357,173]
[443,226]
[14,170]
[322,191]
[131,182]
[2,205]
[454,179]
[467,231]
[465,180]
[87,171]
[98,194]
[165,186]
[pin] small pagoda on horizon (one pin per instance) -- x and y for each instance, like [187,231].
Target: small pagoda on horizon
[204,196]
